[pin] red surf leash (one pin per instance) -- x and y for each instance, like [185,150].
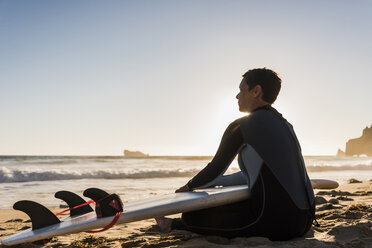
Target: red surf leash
[111,224]
[78,206]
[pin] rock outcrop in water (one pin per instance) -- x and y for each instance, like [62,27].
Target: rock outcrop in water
[134,154]
[361,145]
[340,153]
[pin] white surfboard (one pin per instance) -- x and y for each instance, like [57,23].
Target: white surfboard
[135,211]
[323,184]
[146,209]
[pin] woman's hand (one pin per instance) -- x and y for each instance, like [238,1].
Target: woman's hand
[184,188]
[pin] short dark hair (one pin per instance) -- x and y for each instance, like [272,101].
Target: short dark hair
[269,81]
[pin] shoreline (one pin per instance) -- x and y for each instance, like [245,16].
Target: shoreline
[344,215]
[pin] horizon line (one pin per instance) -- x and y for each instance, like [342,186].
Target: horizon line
[149,156]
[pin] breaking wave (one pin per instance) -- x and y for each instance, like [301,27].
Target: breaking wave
[315,168]
[7,175]
[50,168]
[29,175]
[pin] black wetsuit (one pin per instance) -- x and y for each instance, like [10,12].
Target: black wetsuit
[274,209]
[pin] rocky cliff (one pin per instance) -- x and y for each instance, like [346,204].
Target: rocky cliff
[361,145]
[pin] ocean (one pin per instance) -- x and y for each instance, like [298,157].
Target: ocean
[37,178]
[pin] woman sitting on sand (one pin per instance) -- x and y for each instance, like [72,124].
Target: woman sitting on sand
[281,205]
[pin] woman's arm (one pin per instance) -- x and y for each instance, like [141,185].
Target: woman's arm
[231,142]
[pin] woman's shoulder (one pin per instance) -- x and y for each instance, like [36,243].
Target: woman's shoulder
[253,116]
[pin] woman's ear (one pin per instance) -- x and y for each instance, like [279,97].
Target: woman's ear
[257,91]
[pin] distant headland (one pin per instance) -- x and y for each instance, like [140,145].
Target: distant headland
[359,146]
[135,154]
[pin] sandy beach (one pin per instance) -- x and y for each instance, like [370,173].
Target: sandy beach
[344,216]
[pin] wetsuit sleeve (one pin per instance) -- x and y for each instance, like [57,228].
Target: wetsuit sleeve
[231,142]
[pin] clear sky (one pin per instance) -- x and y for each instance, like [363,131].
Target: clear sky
[96,77]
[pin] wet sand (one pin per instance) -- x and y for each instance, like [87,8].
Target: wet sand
[344,215]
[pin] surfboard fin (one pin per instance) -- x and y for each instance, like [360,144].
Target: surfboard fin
[72,201]
[40,216]
[95,194]
[106,204]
